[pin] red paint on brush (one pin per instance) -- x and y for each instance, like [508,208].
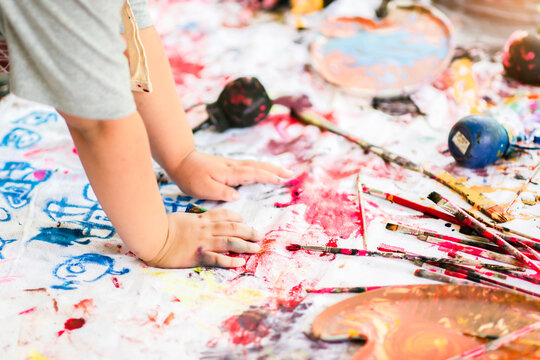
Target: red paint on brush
[180,68]
[293,247]
[335,212]
[72,324]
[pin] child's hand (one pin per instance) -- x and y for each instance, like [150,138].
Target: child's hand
[211,177]
[201,239]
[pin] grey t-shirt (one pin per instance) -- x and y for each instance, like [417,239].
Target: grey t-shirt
[70,54]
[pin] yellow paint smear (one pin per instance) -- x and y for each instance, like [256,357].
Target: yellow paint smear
[34,355]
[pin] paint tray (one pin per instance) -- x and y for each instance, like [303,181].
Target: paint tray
[430,322]
[410,47]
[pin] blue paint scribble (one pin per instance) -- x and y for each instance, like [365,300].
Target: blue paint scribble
[399,48]
[85,268]
[37,118]
[18,179]
[61,236]
[88,216]
[20,138]
[4,215]
[4,243]
[178,203]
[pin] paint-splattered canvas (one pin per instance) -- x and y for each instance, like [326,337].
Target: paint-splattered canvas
[69,287]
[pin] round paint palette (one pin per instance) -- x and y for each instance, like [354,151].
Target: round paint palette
[409,47]
[430,322]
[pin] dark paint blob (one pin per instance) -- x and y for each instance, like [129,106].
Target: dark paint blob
[61,236]
[521,57]
[72,324]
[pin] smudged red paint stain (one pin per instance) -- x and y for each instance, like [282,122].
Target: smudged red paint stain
[74,150]
[212,343]
[84,305]
[175,299]
[55,305]
[72,324]
[180,68]
[28,311]
[298,146]
[168,319]
[335,212]
[115,282]
[281,122]
[246,328]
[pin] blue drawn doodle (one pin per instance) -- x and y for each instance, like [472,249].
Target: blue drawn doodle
[18,179]
[61,236]
[20,138]
[37,118]
[178,203]
[89,218]
[4,243]
[84,268]
[4,215]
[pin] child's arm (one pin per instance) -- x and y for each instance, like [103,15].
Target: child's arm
[171,139]
[116,157]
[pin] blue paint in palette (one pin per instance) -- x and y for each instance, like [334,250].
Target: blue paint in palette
[61,236]
[85,268]
[397,48]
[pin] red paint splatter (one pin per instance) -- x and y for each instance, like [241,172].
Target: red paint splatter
[335,212]
[72,324]
[40,174]
[295,296]
[175,299]
[115,282]
[332,243]
[84,304]
[27,311]
[246,328]
[55,305]
[74,150]
[168,319]
[180,68]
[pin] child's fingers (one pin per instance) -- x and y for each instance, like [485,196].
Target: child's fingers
[221,215]
[236,230]
[234,244]
[209,258]
[216,190]
[248,175]
[268,167]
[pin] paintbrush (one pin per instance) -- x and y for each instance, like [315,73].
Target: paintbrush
[340,290]
[427,233]
[523,187]
[392,254]
[471,250]
[427,274]
[535,243]
[467,271]
[456,259]
[483,280]
[498,343]
[475,198]
[362,209]
[481,229]
[411,205]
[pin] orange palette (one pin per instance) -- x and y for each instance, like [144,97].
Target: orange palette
[409,47]
[431,322]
